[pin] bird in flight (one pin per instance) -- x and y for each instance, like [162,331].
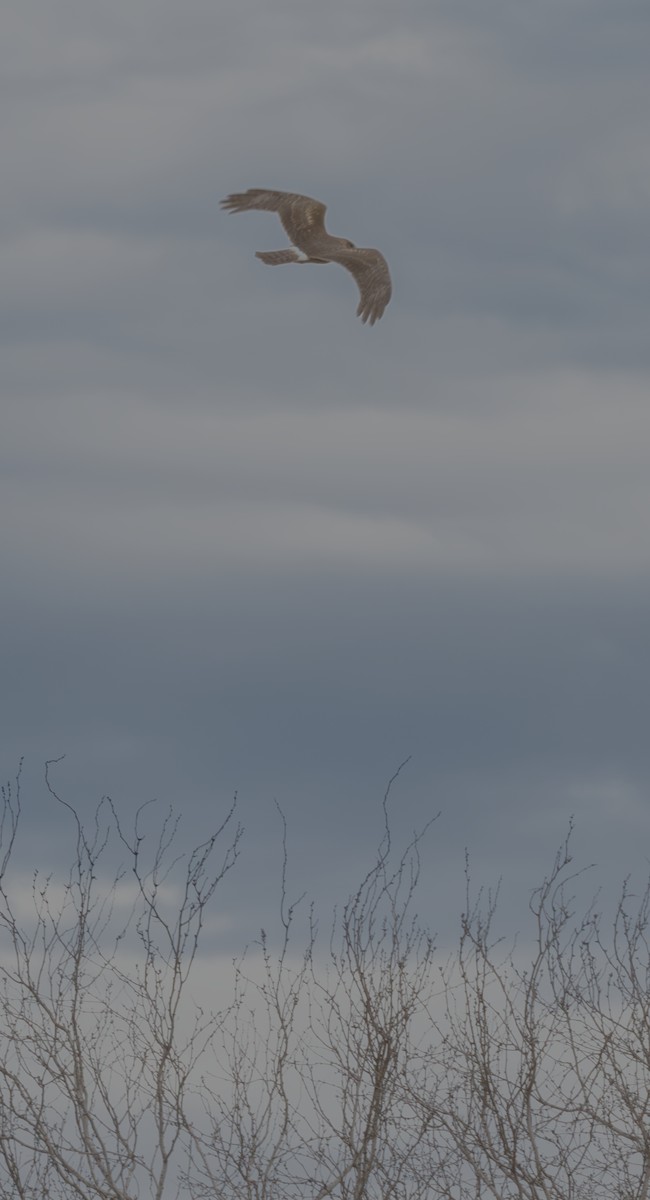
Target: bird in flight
[304,222]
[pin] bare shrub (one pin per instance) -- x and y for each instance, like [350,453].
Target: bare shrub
[358,1066]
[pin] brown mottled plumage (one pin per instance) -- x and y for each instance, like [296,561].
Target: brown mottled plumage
[304,222]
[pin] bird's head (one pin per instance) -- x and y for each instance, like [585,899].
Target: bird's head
[345,242]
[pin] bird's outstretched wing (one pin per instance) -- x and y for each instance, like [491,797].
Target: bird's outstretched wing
[303,217]
[370,270]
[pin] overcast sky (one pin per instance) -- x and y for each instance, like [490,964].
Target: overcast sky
[251,544]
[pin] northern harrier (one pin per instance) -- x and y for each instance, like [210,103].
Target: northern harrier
[303,220]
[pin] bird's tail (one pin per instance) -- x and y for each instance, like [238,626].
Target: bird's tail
[275,258]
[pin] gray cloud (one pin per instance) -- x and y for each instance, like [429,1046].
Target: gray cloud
[248,543]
